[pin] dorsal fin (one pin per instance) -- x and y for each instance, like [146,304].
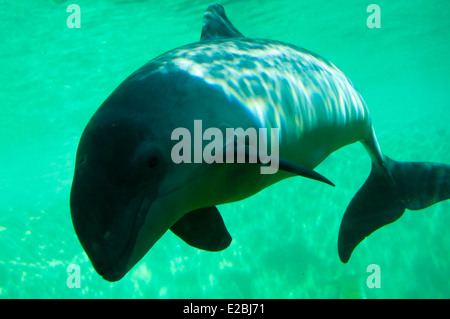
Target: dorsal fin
[216,24]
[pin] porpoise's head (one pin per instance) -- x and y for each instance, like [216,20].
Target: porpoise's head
[126,190]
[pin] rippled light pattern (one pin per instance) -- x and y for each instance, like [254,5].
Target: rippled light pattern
[281,85]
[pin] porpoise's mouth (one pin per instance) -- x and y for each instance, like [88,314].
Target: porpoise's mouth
[117,269]
[155,216]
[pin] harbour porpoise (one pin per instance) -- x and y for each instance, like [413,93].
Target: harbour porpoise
[128,189]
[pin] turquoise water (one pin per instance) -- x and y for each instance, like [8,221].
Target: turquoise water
[284,238]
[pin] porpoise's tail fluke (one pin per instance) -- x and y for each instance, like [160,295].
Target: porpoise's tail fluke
[386,194]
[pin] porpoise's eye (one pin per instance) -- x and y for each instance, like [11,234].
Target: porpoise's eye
[82,160]
[153,162]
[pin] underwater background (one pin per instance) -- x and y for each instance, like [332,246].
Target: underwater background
[53,78]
